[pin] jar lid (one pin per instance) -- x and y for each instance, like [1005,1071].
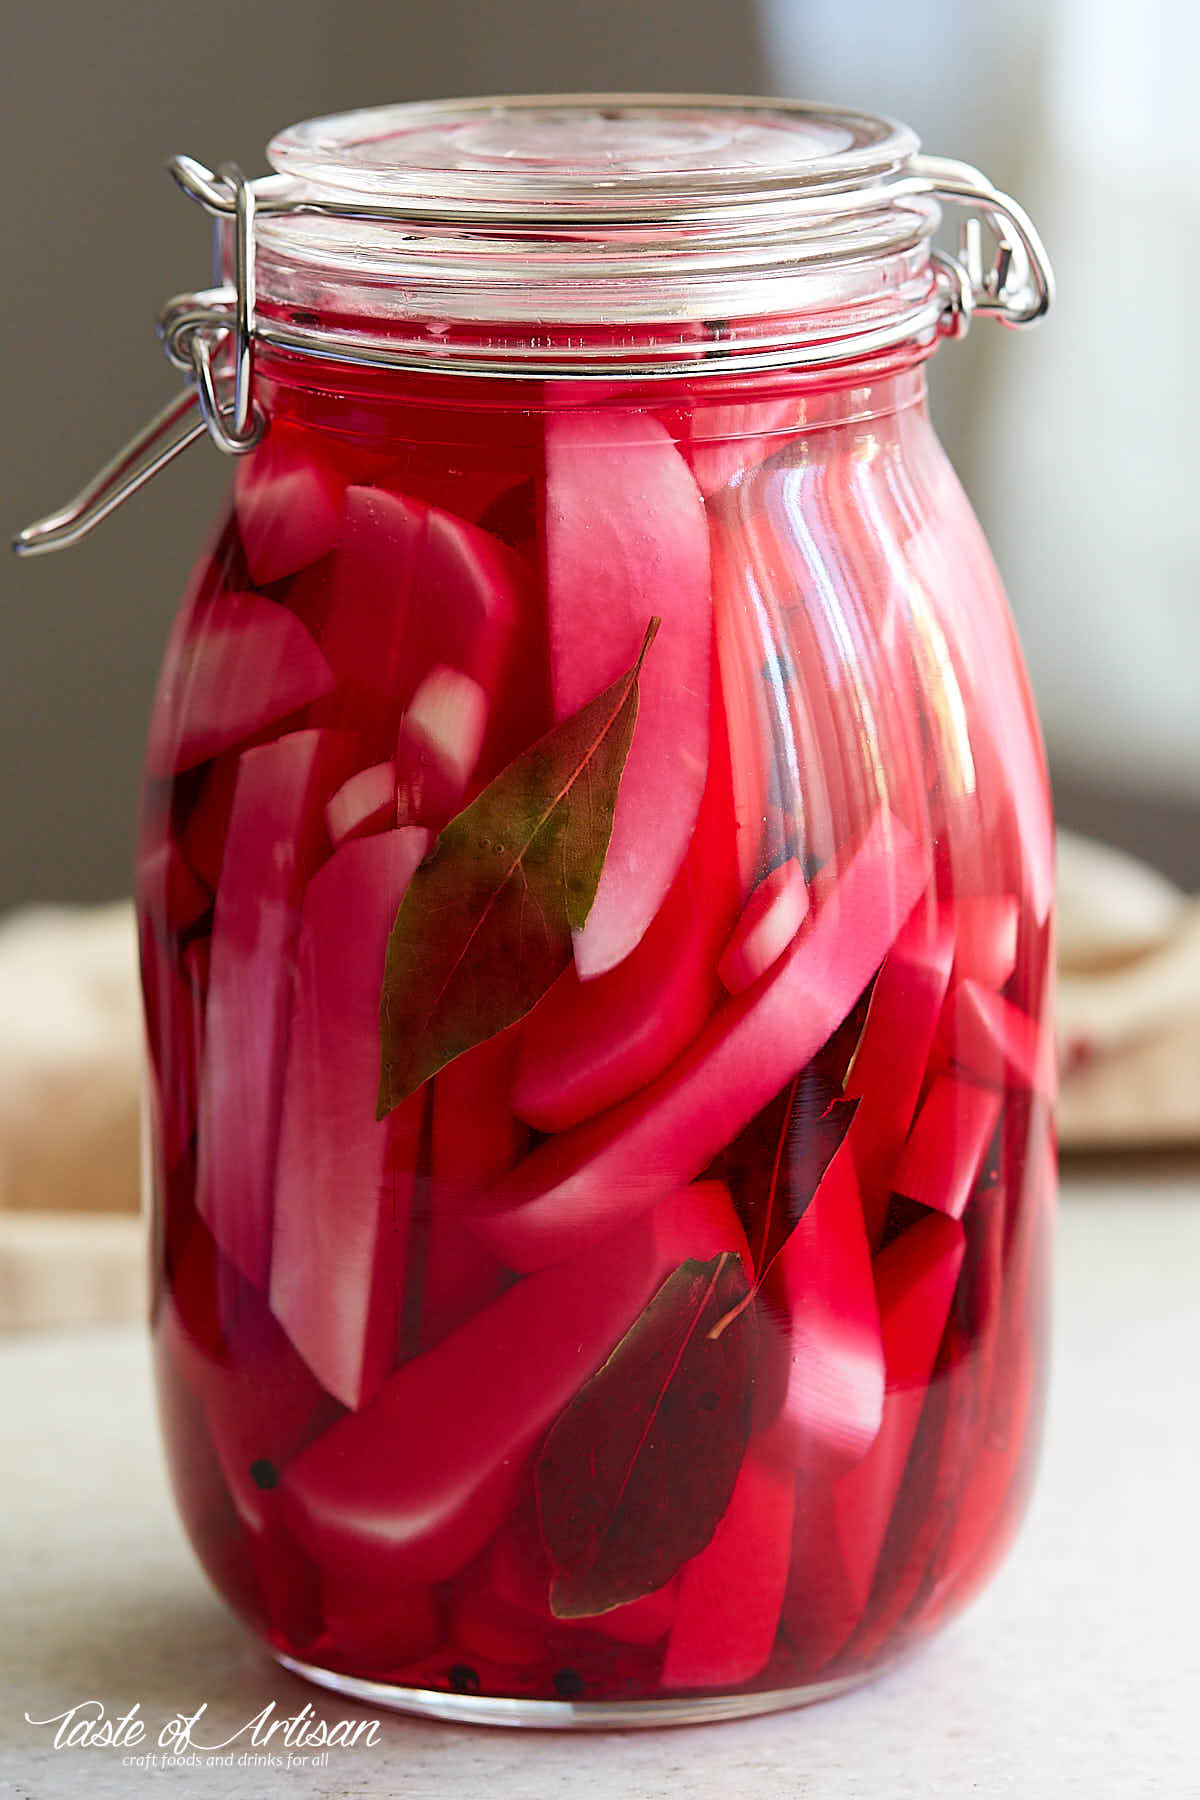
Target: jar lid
[590,157]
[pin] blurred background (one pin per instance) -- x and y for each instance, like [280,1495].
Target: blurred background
[1075,442]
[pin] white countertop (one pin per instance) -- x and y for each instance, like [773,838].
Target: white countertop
[1076,1674]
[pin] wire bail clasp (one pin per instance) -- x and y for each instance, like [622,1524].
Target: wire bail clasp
[1016,287]
[198,328]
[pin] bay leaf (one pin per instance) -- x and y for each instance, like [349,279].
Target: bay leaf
[485,925]
[637,1472]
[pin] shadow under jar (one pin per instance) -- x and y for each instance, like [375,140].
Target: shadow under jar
[595,889]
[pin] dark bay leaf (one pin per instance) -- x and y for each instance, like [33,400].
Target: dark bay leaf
[638,1470]
[485,926]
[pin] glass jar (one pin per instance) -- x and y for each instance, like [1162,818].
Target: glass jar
[594,887]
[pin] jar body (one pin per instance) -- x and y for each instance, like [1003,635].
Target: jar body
[602,1189]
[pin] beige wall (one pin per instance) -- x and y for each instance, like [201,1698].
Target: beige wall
[92,99]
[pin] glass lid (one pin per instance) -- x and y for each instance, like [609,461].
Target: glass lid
[589,156]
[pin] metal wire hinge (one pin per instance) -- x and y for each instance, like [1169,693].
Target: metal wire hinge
[211,335]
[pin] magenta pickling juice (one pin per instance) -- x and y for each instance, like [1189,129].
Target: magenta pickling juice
[595,889]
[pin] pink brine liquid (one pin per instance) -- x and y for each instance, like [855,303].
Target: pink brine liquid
[594,892]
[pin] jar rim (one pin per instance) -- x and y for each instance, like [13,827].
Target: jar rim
[620,158]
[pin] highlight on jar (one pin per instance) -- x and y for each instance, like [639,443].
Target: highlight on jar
[595,890]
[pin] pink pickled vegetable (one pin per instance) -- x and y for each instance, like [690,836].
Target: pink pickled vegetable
[731,1594]
[174,1012]
[589,1044]
[625,541]
[365,803]
[996,1042]
[945,1147]
[985,932]
[202,840]
[740,652]
[840,1529]
[440,737]
[476,1405]
[580,1186]
[391,1628]
[288,504]
[890,1062]
[822,1282]
[169,890]
[774,914]
[481,1628]
[344,1180]
[728,441]
[276,836]
[243,663]
[415,587]
[476,1139]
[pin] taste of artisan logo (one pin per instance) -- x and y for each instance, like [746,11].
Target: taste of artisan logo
[88,1726]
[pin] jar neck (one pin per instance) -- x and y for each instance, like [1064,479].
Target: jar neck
[817,317]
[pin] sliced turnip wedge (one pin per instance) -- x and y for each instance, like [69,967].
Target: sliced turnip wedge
[580,1186]
[945,1147]
[589,1044]
[276,837]
[170,893]
[985,930]
[625,541]
[415,587]
[476,1139]
[821,1282]
[343,1181]
[288,503]
[738,437]
[364,804]
[438,745]
[242,663]
[774,914]
[995,1041]
[415,1484]
[840,1529]
[731,1594]
[893,1055]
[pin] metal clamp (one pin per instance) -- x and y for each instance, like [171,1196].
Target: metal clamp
[211,335]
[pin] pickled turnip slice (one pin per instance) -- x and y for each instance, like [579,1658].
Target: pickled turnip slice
[365,803]
[841,1528]
[415,588]
[242,663]
[288,503]
[276,836]
[774,914]
[985,930]
[579,1186]
[169,891]
[438,745]
[996,1042]
[892,1057]
[731,1594]
[821,1282]
[344,1180]
[625,541]
[590,1044]
[415,1484]
[476,1139]
[945,1147]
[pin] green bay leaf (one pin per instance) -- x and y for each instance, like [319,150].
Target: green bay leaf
[485,925]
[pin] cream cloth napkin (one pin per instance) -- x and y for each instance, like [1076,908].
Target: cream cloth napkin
[1128,1011]
[71,1059]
